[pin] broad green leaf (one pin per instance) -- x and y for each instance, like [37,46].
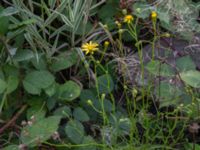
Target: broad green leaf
[63,62]
[4,21]
[191,146]
[159,69]
[124,125]
[106,104]
[107,10]
[64,111]
[185,64]
[90,143]
[23,55]
[11,147]
[168,94]
[37,80]
[80,114]
[10,70]
[30,88]
[1,74]
[142,9]
[12,84]
[36,101]
[40,62]
[163,16]
[3,86]
[191,78]
[75,131]
[89,95]
[51,102]
[105,84]
[69,91]
[51,90]
[40,131]
[37,112]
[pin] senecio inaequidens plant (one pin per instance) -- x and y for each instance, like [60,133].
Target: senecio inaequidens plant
[99,75]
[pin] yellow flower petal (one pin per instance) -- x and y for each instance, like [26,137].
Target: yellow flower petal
[153,15]
[128,19]
[90,47]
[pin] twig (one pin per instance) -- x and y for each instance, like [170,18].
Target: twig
[15,117]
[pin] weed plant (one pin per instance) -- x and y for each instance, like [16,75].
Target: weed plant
[66,80]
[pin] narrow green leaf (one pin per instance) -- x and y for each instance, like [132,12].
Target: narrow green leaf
[8,12]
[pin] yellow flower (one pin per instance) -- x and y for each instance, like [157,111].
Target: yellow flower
[154,15]
[90,47]
[128,19]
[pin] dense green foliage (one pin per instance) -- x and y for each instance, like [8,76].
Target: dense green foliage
[135,88]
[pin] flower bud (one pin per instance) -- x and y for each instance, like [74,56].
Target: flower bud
[124,12]
[89,102]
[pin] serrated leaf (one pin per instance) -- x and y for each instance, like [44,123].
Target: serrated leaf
[75,131]
[40,131]
[191,78]
[69,91]
[80,114]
